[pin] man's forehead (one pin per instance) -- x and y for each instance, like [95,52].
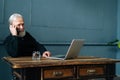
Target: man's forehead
[18,20]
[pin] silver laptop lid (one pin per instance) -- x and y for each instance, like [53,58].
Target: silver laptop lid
[74,48]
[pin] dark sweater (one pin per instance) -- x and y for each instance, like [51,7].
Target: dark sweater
[22,46]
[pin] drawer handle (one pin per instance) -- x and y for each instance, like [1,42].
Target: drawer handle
[57,73]
[91,71]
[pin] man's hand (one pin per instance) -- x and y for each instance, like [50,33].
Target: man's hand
[13,30]
[46,54]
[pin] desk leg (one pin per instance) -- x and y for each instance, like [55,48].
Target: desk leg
[18,74]
[23,72]
[42,74]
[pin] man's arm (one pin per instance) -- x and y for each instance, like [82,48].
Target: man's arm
[40,48]
[11,45]
[43,50]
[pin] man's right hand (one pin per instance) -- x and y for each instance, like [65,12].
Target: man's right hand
[13,30]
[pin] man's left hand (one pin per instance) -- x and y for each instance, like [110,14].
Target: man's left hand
[46,54]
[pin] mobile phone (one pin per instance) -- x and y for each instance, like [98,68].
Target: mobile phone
[17,31]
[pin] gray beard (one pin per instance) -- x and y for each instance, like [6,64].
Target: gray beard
[22,34]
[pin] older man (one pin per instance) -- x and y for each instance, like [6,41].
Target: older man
[20,42]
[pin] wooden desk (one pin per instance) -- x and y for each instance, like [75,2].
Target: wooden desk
[82,68]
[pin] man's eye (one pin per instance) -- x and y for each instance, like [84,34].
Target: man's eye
[22,24]
[18,24]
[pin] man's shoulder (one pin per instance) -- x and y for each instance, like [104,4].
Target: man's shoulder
[27,33]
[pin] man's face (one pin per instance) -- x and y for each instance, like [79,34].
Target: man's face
[19,24]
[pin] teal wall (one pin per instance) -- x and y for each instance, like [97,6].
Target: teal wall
[118,35]
[56,22]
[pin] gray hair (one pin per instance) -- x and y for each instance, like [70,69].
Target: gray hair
[13,16]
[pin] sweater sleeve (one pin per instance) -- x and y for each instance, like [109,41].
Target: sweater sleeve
[41,48]
[11,45]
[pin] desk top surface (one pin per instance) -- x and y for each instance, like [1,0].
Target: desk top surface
[24,62]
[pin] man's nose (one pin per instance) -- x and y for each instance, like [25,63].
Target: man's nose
[21,26]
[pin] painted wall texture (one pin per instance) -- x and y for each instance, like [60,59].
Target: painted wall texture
[56,22]
[118,35]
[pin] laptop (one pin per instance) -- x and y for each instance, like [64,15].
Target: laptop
[73,50]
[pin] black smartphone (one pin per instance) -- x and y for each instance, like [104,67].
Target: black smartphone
[17,31]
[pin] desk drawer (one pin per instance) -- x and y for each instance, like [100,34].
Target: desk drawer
[91,70]
[59,72]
